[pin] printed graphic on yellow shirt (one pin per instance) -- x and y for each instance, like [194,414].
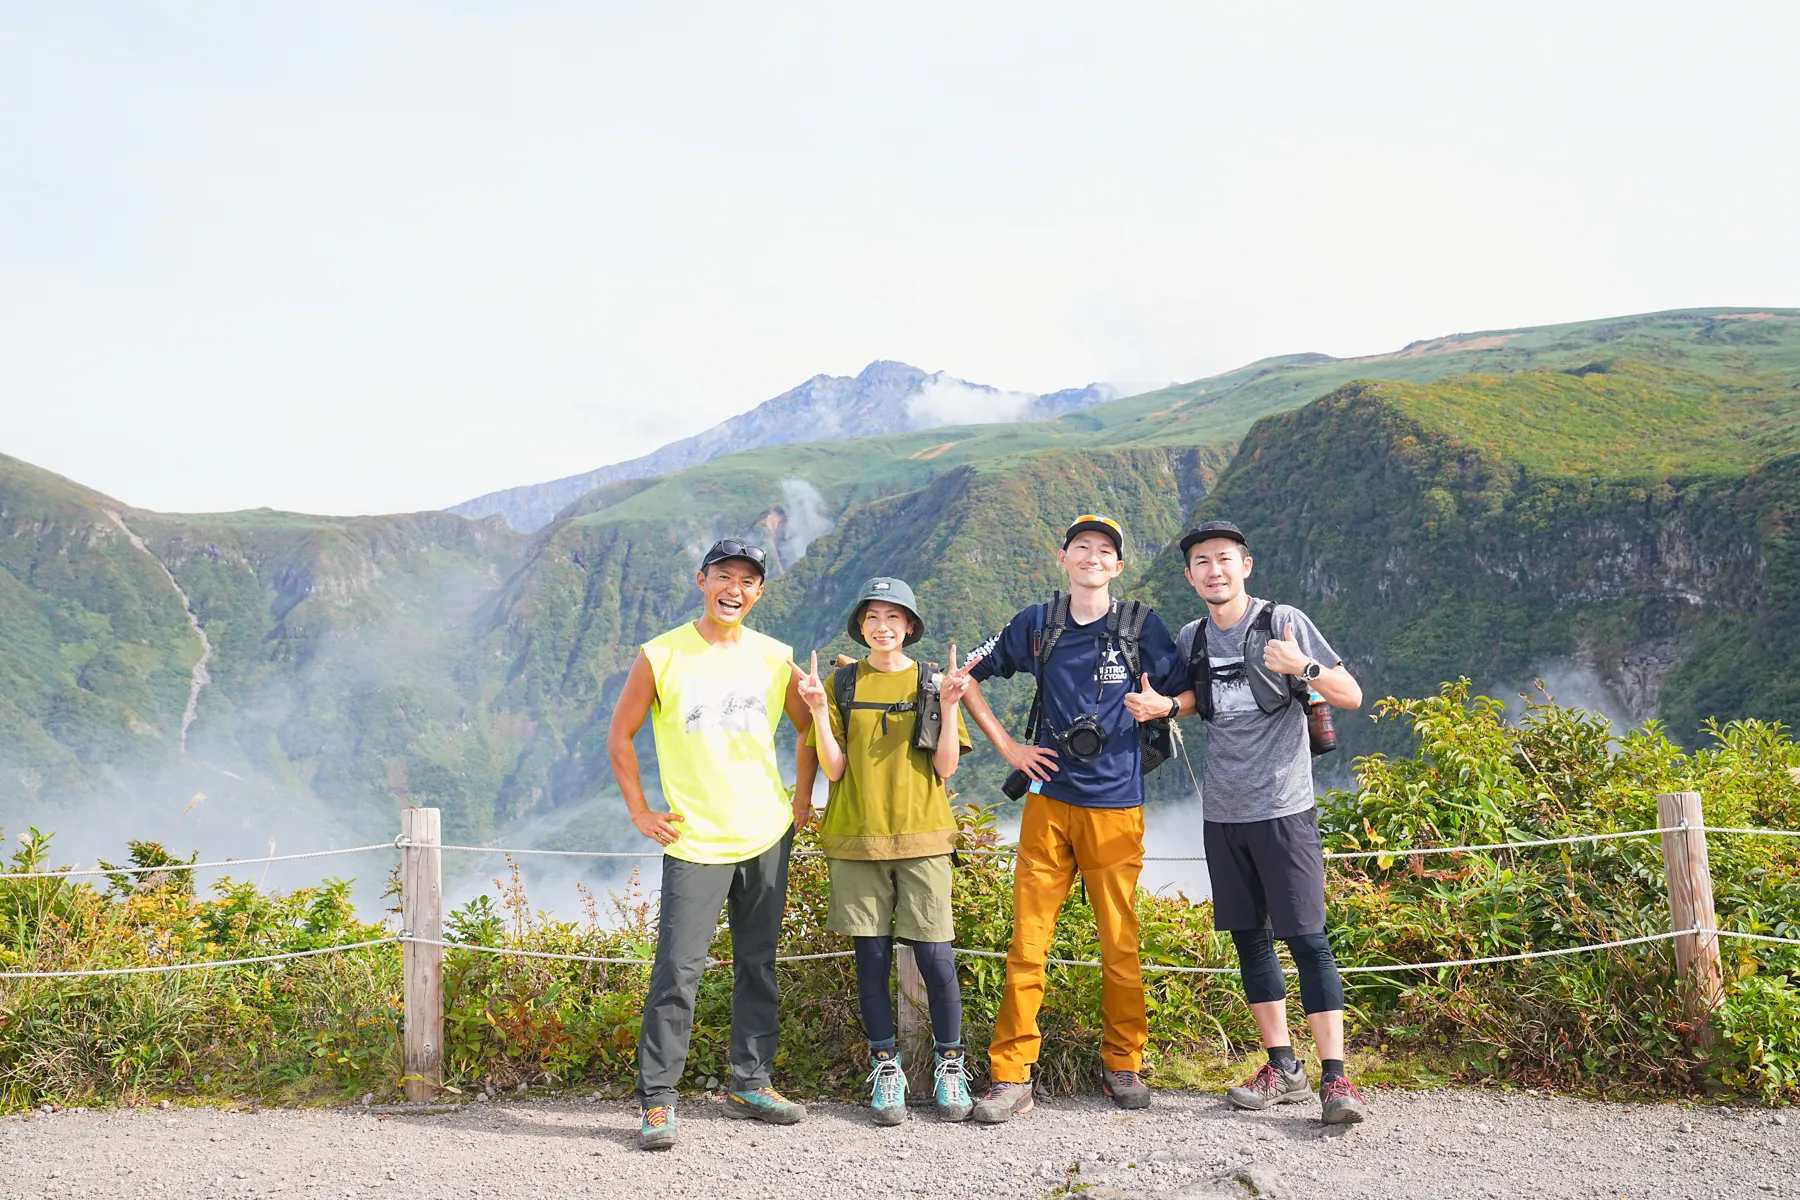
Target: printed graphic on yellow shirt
[711,704]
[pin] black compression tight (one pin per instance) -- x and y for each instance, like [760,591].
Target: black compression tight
[1321,987]
[943,993]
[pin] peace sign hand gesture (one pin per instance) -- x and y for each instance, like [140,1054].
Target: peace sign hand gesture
[955,684]
[812,688]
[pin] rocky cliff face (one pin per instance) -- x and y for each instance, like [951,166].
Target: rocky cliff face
[887,397]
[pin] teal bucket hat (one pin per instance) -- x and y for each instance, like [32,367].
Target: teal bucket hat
[891,591]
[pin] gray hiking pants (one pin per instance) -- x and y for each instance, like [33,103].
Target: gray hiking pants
[754,895]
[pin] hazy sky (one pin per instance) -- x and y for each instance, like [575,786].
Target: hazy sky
[383,256]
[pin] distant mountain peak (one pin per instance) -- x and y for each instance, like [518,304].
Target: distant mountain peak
[884,397]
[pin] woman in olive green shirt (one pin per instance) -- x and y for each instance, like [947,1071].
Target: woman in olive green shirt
[888,835]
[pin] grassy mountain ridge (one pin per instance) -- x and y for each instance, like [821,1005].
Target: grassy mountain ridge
[1631,518]
[1614,494]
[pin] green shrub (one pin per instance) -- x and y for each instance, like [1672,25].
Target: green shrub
[1606,1023]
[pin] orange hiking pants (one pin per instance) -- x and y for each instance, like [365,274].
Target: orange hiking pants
[1107,846]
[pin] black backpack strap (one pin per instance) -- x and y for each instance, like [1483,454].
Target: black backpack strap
[1200,672]
[843,690]
[1133,615]
[1043,642]
[1056,622]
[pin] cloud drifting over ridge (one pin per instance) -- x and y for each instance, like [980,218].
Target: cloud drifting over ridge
[946,401]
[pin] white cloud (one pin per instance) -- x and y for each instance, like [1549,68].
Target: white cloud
[806,520]
[946,401]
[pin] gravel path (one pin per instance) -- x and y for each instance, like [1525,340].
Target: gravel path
[1443,1143]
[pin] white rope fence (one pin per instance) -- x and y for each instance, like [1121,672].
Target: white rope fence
[1166,968]
[405,937]
[401,843]
[197,866]
[593,958]
[1395,852]
[199,966]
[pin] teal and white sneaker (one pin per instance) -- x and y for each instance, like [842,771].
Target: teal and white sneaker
[888,1097]
[763,1104]
[951,1094]
[657,1132]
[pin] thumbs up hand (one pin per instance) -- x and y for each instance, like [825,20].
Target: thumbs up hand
[1283,655]
[1146,704]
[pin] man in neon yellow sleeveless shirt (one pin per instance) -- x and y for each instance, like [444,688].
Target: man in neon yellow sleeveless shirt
[715,692]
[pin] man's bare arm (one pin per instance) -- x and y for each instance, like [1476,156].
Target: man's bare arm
[806,771]
[1339,687]
[1035,761]
[628,716]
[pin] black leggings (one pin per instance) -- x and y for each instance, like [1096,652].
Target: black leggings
[943,993]
[1321,987]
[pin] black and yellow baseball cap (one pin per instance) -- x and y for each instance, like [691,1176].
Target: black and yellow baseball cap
[1096,523]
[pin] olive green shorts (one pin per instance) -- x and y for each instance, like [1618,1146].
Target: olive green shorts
[901,897]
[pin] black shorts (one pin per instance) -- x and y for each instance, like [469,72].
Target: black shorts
[1268,873]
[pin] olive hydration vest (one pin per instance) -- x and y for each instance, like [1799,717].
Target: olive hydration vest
[1271,690]
[925,725]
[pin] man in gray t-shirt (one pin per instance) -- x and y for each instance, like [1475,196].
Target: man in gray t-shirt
[1260,667]
[1257,766]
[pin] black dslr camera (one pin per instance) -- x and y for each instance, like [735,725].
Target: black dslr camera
[1083,740]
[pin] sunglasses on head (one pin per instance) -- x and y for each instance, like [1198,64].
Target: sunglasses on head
[732,548]
[1104,520]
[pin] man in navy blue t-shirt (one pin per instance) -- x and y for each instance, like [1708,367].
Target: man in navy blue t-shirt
[1084,812]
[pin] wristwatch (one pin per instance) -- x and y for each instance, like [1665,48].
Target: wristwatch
[1174,707]
[1311,670]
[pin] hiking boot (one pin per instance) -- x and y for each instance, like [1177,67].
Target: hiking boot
[1003,1102]
[657,1132]
[763,1104]
[888,1100]
[950,1096]
[1125,1089]
[1270,1086]
[1343,1103]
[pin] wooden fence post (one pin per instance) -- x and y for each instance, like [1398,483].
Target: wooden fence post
[1691,909]
[421,914]
[914,1020]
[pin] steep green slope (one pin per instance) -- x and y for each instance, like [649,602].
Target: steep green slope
[349,660]
[95,649]
[345,665]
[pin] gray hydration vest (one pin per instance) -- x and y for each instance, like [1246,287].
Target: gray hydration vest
[1271,690]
